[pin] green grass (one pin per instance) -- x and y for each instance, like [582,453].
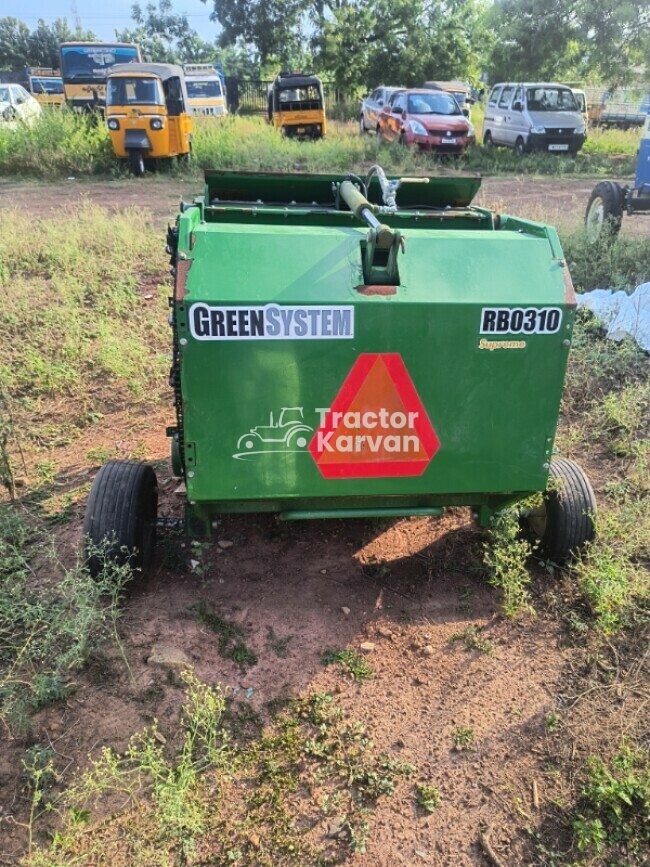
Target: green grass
[83,339]
[64,144]
[74,302]
[623,264]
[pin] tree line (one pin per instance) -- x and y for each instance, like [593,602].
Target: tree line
[358,44]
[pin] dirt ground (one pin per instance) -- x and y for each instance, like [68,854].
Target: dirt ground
[558,201]
[407,587]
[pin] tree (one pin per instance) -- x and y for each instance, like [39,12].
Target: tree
[166,37]
[14,44]
[406,42]
[570,39]
[272,27]
[19,47]
[617,43]
[534,40]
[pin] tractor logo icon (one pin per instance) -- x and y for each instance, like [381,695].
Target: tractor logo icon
[288,434]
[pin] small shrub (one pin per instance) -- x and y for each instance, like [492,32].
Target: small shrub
[612,822]
[47,630]
[505,556]
[428,797]
[464,738]
[472,640]
[350,661]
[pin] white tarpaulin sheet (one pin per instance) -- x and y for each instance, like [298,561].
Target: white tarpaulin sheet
[620,313]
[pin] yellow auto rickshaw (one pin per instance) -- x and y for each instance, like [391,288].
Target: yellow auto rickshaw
[296,105]
[147,113]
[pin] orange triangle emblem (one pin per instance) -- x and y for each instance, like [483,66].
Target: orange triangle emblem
[377,425]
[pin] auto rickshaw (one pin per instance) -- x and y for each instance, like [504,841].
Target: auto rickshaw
[147,113]
[296,105]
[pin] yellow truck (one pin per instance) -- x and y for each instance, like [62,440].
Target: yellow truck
[205,90]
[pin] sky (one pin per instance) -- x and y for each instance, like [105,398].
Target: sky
[103,17]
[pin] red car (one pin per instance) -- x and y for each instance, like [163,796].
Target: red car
[429,119]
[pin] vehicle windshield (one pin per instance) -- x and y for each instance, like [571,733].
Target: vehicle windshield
[580,100]
[551,99]
[134,91]
[47,85]
[459,96]
[432,103]
[299,94]
[197,89]
[4,94]
[94,61]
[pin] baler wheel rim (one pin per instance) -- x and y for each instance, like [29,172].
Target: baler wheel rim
[120,521]
[567,520]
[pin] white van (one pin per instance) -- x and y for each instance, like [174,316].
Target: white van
[536,116]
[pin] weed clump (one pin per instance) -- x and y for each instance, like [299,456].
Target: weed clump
[231,637]
[351,661]
[47,629]
[505,556]
[428,797]
[213,799]
[612,820]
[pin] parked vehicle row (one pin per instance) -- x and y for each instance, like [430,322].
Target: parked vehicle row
[524,116]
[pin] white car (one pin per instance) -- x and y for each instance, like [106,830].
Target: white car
[17,105]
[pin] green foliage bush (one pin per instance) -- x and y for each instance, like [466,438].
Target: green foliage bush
[63,143]
[60,143]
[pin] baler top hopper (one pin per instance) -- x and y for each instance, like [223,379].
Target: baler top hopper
[364,347]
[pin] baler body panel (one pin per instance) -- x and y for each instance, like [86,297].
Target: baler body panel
[258,407]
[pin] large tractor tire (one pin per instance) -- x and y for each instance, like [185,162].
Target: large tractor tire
[604,212]
[120,522]
[565,521]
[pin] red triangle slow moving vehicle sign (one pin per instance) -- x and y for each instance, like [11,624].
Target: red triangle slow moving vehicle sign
[376,426]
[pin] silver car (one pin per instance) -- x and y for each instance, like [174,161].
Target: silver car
[536,116]
[372,106]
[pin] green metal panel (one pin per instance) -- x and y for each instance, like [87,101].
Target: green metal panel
[494,410]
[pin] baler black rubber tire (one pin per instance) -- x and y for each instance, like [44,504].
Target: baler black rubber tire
[520,147]
[611,195]
[121,516]
[488,142]
[570,511]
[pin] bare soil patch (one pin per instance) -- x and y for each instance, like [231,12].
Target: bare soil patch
[559,202]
